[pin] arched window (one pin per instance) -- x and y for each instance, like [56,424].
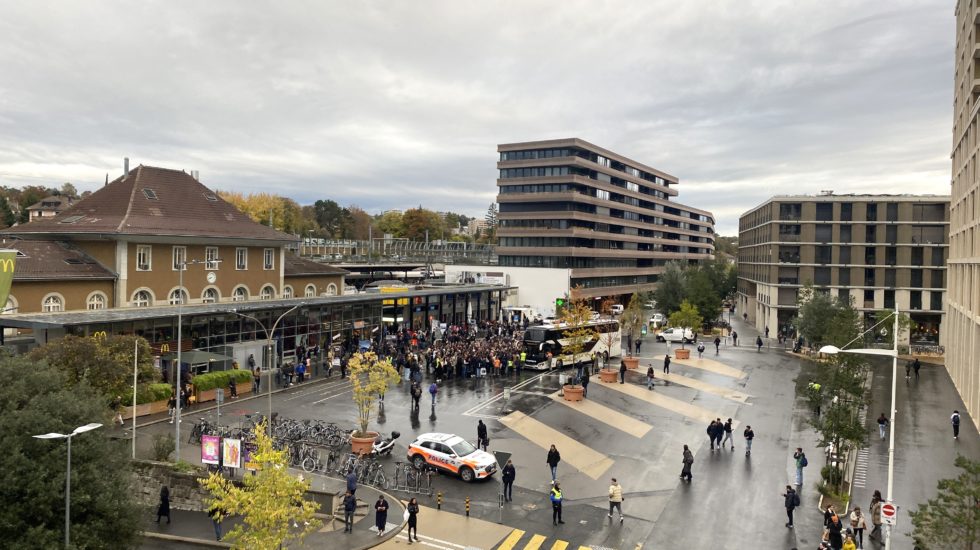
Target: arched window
[331,289]
[240,294]
[142,298]
[11,306]
[287,292]
[310,291]
[177,296]
[53,302]
[210,295]
[96,300]
[267,293]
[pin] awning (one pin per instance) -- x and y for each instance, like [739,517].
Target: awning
[198,357]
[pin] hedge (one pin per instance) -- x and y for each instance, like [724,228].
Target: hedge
[220,379]
[153,392]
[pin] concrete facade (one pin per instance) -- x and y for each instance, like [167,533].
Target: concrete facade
[537,287]
[569,204]
[878,251]
[963,298]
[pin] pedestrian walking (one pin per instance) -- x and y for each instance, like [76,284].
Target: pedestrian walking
[556,498]
[849,543]
[858,525]
[616,499]
[233,389]
[481,435]
[749,435]
[585,385]
[350,506]
[908,371]
[916,365]
[717,345]
[413,519]
[875,510]
[767,333]
[381,514]
[638,343]
[256,378]
[801,462]
[728,435]
[758,343]
[510,474]
[712,434]
[650,377]
[622,372]
[172,406]
[882,426]
[688,461]
[700,349]
[352,482]
[554,457]
[791,499]
[835,527]
[954,419]
[433,390]
[735,338]
[164,507]
[667,360]
[216,513]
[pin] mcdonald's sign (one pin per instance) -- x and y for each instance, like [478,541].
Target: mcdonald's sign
[99,334]
[164,348]
[8,258]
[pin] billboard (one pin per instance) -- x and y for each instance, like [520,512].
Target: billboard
[8,258]
[210,447]
[232,453]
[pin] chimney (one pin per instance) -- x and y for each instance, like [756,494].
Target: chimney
[125,166]
[194,174]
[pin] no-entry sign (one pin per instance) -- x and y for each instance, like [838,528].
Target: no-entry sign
[888,513]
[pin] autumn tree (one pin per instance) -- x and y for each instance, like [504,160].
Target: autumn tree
[417,222]
[670,288]
[281,213]
[579,334]
[952,519]
[106,363]
[266,501]
[370,377]
[360,223]
[686,317]
[390,222]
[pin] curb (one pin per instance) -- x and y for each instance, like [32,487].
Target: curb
[185,540]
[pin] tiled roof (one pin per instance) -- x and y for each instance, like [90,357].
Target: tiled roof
[153,201]
[51,203]
[296,266]
[46,260]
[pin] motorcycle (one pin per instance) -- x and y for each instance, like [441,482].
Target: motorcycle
[383,446]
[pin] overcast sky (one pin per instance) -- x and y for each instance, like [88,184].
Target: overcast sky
[394,104]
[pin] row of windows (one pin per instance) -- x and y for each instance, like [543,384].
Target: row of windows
[567,206]
[144,258]
[540,172]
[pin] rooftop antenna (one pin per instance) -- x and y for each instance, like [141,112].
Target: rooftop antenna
[827,192]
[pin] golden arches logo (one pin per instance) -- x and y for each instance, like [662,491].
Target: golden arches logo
[99,335]
[164,348]
[7,265]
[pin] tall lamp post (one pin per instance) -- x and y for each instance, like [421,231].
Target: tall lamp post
[181,267]
[53,435]
[893,353]
[271,362]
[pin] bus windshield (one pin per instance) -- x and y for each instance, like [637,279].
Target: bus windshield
[540,341]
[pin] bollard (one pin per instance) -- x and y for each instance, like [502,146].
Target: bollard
[467,506]
[439,500]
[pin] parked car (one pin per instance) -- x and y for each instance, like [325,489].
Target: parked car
[451,453]
[616,309]
[657,320]
[675,335]
[650,305]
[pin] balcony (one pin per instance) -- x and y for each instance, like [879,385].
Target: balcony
[789,280]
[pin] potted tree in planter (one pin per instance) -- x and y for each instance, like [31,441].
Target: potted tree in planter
[577,337]
[370,377]
[632,323]
[687,317]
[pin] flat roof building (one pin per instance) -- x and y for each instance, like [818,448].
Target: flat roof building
[878,251]
[569,204]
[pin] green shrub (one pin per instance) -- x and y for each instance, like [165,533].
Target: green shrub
[163,446]
[220,379]
[148,393]
[831,475]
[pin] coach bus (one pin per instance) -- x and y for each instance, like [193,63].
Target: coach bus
[541,340]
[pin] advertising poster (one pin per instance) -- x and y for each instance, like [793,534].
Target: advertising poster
[232,453]
[247,459]
[210,447]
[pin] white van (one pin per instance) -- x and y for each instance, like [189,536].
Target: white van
[616,309]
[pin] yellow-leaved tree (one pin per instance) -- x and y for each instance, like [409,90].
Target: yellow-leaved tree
[579,334]
[370,377]
[267,502]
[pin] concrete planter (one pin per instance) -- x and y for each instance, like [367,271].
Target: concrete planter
[574,392]
[608,375]
[682,354]
[631,363]
[363,445]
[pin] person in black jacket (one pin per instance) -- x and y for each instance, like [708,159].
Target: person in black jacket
[413,519]
[164,508]
[791,501]
[482,439]
[350,506]
[553,459]
[510,474]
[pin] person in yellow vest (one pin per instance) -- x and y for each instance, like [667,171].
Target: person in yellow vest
[520,364]
[556,498]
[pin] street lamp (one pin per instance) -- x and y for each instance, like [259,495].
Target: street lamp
[182,265]
[893,353]
[52,435]
[268,337]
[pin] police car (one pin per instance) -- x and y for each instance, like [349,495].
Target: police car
[453,454]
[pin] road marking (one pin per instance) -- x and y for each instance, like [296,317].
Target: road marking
[660,400]
[536,542]
[473,410]
[581,457]
[332,396]
[427,543]
[511,540]
[609,416]
[706,387]
[559,545]
[709,365]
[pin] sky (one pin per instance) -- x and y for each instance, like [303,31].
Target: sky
[402,103]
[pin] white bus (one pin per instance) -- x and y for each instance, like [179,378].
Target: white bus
[542,339]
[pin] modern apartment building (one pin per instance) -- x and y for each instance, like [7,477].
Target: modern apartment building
[567,203]
[963,297]
[879,251]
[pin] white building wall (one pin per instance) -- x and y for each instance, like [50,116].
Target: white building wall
[538,287]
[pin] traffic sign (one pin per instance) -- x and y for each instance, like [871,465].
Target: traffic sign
[888,513]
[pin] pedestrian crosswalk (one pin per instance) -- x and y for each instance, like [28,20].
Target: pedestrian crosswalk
[520,540]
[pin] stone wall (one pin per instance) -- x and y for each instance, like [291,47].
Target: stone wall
[185,492]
